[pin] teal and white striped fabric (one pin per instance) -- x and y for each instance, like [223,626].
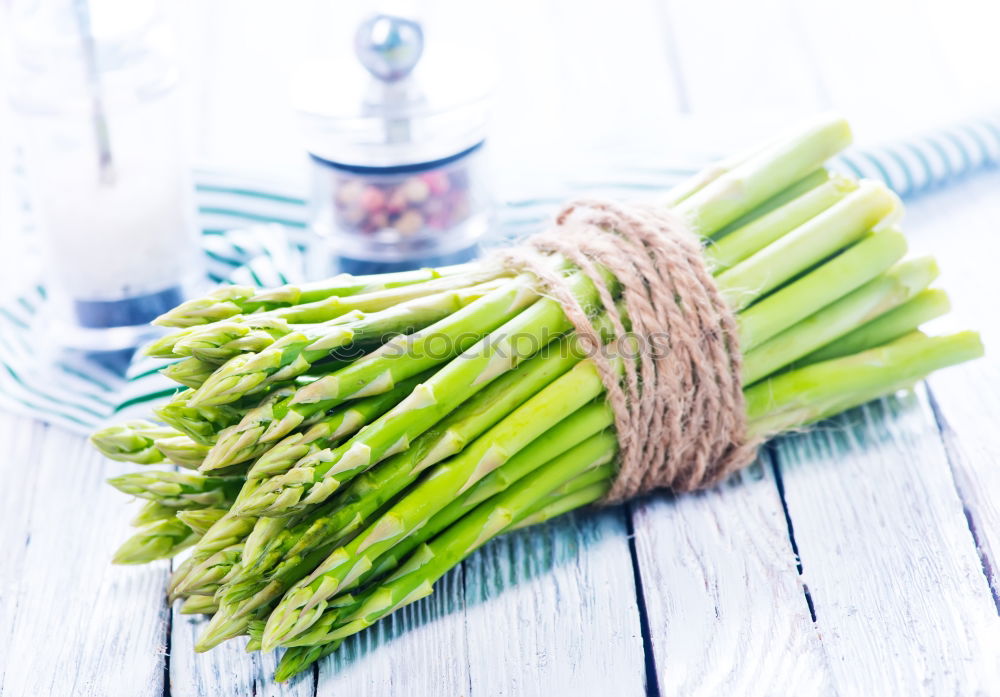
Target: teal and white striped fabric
[255,233]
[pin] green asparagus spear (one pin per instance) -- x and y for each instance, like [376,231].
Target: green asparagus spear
[152,511]
[802,396]
[256,598]
[199,605]
[295,353]
[200,519]
[922,307]
[370,491]
[739,244]
[132,441]
[313,481]
[158,540]
[178,489]
[416,577]
[448,480]
[229,301]
[191,371]
[183,451]
[874,298]
[397,360]
[325,429]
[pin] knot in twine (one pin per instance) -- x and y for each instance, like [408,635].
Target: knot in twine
[678,402]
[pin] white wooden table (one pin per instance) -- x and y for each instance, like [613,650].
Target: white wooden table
[858,558]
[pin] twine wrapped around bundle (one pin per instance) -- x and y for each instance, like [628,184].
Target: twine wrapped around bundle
[678,406]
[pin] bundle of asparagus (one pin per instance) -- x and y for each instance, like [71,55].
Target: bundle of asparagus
[354,439]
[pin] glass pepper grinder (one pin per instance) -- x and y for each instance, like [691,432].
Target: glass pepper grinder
[396,151]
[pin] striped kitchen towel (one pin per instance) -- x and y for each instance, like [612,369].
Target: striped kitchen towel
[255,234]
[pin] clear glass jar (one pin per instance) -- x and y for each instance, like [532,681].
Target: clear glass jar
[397,151]
[98,101]
[399,214]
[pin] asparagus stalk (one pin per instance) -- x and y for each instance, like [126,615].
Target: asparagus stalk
[255,631]
[132,441]
[850,218]
[565,499]
[191,372]
[739,244]
[397,360]
[306,601]
[724,200]
[152,511]
[201,424]
[876,297]
[555,506]
[178,489]
[217,341]
[370,491]
[323,432]
[802,396]
[799,188]
[416,577]
[223,302]
[901,282]
[232,532]
[568,433]
[183,451]
[200,519]
[158,540]
[229,530]
[345,284]
[922,307]
[858,264]
[313,481]
[822,236]
[295,353]
[296,660]
[763,175]
[147,443]
[199,605]
[232,617]
[789,400]
[707,175]
[230,301]
[803,258]
[205,575]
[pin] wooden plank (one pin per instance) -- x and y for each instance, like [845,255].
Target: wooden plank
[959,225]
[80,625]
[724,600]
[227,670]
[419,650]
[540,611]
[899,594]
[552,610]
[17,498]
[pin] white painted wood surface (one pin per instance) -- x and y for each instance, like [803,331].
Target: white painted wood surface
[72,624]
[887,555]
[893,509]
[723,558]
[540,612]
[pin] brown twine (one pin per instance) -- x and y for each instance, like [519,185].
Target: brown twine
[678,405]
